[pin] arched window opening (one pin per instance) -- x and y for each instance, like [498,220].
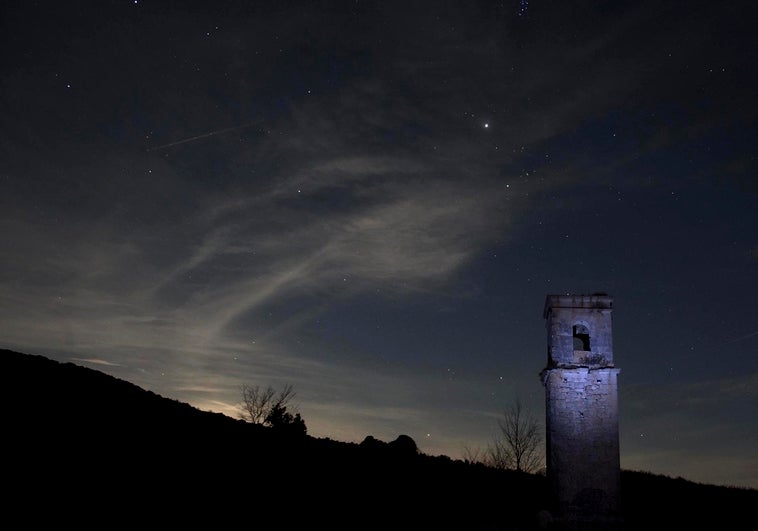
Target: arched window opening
[581,338]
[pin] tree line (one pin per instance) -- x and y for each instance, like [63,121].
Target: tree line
[517,445]
[267,407]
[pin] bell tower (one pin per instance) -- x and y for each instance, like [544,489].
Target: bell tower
[581,405]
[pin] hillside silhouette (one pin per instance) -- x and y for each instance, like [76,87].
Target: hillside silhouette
[84,448]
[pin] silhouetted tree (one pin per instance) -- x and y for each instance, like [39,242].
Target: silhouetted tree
[281,419]
[472,455]
[372,443]
[404,445]
[518,446]
[267,407]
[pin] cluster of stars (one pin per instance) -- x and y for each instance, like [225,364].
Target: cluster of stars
[523,5]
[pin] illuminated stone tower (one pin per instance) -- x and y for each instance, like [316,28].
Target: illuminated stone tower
[581,392]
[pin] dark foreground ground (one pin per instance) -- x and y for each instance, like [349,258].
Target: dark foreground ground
[83,448]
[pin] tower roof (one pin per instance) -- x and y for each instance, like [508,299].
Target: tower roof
[594,301]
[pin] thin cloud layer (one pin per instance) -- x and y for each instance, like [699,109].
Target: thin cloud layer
[372,207]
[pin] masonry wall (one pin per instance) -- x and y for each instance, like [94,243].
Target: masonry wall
[582,440]
[581,390]
[560,334]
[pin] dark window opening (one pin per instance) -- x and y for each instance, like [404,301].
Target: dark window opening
[581,338]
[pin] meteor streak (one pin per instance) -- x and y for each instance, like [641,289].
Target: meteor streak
[198,137]
[746,336]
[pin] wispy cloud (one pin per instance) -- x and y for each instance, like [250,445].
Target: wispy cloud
[213,295]
[387,186]
[96,361]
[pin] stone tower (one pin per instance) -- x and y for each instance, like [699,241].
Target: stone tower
[581,393]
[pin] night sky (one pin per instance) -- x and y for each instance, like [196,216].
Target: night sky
[371,201]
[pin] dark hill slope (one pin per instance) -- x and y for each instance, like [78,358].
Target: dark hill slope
[87,449]
[94,446]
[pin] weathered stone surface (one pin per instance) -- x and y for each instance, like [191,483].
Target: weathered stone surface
[581,390]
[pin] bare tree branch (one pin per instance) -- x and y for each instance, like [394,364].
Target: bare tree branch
[285,397]
[473,455]
[256,403]
[266,407]
[519,443]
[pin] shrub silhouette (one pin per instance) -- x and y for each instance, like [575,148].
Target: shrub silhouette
[404,445]
[282,420]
